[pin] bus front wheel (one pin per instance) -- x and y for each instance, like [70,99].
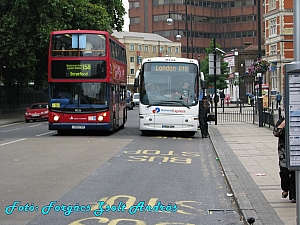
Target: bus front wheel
[113,129]
[61,132]
[145,132]
[190,133]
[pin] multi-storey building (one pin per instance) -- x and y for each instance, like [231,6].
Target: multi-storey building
[278,18]
[144,45]
[231,22]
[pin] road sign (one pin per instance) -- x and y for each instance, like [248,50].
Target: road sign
[211,64]
[292,115]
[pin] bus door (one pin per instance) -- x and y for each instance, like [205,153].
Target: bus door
[112,105]
[118,98]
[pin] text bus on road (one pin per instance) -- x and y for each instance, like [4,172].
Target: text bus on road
[169,92]
[87,81]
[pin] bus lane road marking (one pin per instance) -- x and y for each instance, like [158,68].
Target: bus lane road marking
[160,156]
[174,138]
[11,142]
[112,204]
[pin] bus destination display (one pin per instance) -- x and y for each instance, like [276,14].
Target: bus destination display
[78,69]
[170,67]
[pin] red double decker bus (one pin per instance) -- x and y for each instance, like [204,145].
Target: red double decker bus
[87,81]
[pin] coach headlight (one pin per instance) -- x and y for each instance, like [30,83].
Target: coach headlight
[188,120]
[56,118]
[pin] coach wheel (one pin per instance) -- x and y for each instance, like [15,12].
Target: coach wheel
[190,134]
[145,132]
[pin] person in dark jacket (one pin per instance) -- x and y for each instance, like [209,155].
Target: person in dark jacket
[278,99]
[222,96]
[287,177]
[203,112]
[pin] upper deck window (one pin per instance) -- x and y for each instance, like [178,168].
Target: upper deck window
[77,45]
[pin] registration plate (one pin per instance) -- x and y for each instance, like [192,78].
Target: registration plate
[78,127]
[167,126]
[35,115]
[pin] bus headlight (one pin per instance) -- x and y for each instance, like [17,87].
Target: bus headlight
[189,119]
[56,118]
[100,118]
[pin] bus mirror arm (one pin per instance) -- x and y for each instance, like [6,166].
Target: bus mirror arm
[136,82]
[136,79]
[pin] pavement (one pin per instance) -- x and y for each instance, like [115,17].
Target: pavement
[248,155]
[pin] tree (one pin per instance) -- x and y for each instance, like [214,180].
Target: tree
[221,79]
[25,26]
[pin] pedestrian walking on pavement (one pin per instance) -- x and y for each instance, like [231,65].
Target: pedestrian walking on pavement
[251,96]
[222,96]
[288,184]
[203,112]
[278,100]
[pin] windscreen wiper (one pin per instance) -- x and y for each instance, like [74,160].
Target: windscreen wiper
[86,101]
[161,102]
[182,103]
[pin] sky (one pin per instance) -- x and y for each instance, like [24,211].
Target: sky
[126,19]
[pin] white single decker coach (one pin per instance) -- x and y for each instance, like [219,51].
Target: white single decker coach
[169,92]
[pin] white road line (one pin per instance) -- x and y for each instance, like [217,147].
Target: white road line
[10,130]
[11,124]
[11,142]
[45,133]
[35,125]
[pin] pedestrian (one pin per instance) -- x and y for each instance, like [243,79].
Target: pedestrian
[251,96]
[222,96]
[209,99]
[287,177]
[203,112]
[278,99]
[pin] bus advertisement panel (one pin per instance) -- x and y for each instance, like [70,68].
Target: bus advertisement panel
[169,92]
[87,81]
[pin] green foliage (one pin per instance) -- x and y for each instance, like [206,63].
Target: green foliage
[221,79]
[25,26]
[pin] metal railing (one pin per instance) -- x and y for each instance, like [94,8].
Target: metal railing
[20,97]
[241,113]
[236,116]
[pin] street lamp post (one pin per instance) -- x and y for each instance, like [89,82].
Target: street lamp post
[178,37]
[215,80]
[260,101]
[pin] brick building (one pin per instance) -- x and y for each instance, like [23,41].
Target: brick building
[232,23]
[278,18]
